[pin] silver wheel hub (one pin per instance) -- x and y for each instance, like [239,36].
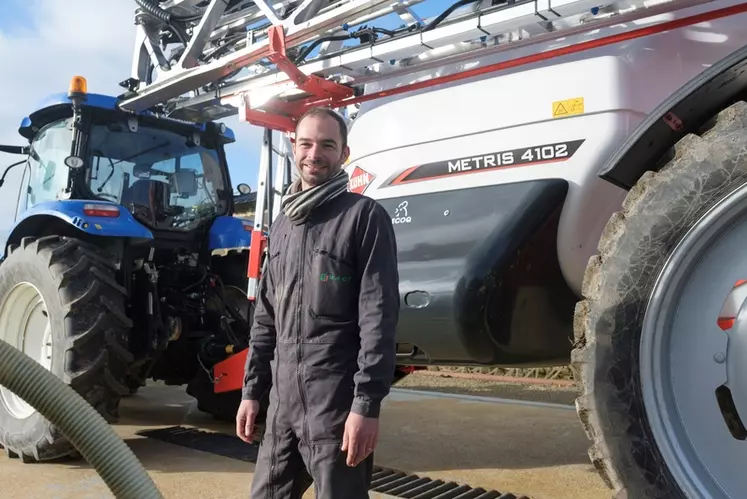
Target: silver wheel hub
[732,396]
[24,323]
[685,357]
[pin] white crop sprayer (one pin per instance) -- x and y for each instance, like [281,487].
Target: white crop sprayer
[567,181]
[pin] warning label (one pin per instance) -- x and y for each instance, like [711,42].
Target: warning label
[568,107]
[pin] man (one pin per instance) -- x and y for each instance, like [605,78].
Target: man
[324,326]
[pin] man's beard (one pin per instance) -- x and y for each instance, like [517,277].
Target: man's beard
[317,173]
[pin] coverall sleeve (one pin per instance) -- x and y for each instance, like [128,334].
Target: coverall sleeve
[257,370]
[378,311]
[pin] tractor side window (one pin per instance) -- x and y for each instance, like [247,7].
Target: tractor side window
[48,173]
[207,171]
[183,192]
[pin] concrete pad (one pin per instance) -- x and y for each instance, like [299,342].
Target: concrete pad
[537,450]
[530,448]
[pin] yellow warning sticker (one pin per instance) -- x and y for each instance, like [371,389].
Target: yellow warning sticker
[568,107]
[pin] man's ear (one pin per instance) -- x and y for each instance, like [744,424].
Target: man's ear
[345,155]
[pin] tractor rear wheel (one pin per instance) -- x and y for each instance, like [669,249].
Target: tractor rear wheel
[61,305]
[649,353]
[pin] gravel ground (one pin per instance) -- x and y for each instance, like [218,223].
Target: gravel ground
[534,393]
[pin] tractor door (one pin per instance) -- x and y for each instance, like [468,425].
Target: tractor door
[48,175]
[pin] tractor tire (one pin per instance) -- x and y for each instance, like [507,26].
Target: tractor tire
[60,304]
[648,400]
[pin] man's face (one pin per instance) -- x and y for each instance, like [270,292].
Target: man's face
[318,150]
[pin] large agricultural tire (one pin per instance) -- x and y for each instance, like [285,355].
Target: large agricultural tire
[648,352]
[60,304]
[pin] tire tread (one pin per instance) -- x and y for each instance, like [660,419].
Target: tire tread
[95,343]
[616,282]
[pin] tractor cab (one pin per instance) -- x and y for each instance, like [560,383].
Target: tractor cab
[170,175]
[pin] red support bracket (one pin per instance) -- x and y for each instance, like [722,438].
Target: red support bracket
[265,119]
[318,87]
[281,115]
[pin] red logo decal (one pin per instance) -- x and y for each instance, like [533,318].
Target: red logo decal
[359,180]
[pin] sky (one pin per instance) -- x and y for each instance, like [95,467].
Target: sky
[42,46]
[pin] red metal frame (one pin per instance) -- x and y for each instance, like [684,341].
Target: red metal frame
[283,115]
[319,87]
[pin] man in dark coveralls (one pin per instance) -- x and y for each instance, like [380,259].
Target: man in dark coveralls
[324,327]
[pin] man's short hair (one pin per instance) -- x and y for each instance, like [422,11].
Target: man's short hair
[331,113]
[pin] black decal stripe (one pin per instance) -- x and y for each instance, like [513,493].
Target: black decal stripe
[512,158]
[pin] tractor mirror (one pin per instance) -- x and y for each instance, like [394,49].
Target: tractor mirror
[14,149]
[184,183]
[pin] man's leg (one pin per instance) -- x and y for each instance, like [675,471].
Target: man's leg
[280,472]
[333,478]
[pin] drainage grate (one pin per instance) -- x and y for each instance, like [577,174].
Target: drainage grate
[401,484]
[385,481]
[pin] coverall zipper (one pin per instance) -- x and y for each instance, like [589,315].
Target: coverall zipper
[304,430]
[271,488]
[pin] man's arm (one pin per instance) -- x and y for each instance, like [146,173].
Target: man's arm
[378,311]
[257,372]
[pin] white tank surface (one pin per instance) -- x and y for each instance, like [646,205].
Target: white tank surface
[556,118]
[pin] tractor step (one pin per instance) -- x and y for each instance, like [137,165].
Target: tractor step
[392,483]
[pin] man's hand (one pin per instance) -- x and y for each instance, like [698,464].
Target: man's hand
[360,437]
[245,417]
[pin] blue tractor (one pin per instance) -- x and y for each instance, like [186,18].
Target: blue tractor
[124,262]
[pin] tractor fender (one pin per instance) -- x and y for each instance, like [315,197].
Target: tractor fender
[681,113]
[229,232]
[35,220]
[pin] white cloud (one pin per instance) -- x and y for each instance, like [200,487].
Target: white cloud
[91,38]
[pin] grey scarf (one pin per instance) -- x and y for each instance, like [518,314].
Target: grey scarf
[298,204]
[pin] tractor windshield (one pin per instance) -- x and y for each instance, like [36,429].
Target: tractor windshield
[160,176]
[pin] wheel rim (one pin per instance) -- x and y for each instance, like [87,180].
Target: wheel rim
[24,323]
[682,351]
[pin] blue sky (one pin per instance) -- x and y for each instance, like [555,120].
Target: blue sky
[42,46]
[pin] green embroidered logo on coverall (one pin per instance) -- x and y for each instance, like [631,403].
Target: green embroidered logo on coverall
[331,277]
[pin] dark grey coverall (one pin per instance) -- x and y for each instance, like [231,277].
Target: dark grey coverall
[324,340]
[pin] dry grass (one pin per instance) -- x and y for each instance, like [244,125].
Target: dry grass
[555,372]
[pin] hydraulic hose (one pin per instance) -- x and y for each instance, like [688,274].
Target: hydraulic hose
[86,429]
[152,7]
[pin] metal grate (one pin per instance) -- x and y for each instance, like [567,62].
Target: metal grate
[385,481]
[401,484]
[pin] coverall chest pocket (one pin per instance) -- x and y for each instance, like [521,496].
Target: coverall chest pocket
[334,296]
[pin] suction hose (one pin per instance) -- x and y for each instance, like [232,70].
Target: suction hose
[79,422]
